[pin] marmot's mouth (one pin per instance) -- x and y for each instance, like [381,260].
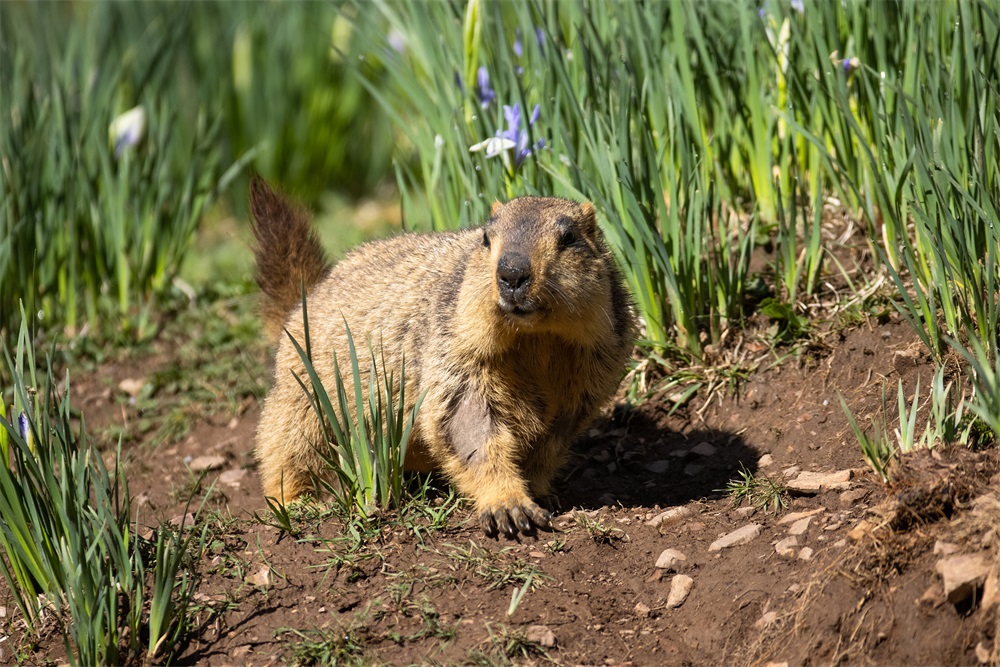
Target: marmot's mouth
[517,309]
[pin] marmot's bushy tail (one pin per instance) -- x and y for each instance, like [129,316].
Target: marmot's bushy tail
[288,254]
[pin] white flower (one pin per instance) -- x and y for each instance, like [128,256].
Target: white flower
[493,146]
[128,129]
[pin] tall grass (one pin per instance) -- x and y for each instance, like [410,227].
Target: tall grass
[68,549]
[365,425]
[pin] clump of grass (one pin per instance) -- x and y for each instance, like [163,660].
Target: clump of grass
[66,543]
[324,647]
[496,569]
[368,435]
[600,533]
[760,492]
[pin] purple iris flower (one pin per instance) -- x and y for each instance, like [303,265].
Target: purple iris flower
[483,89]
[518,134]
[518,49]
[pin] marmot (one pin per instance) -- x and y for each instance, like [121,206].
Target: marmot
[516,333]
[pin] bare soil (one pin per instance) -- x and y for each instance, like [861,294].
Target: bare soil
[858,587]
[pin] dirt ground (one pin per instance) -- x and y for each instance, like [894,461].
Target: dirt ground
[857,585]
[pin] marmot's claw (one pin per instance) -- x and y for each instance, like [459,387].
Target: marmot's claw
[488,523]
[503,521]
[521,520]
[510,521]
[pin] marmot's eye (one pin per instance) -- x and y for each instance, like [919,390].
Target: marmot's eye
[567,238]
[486,239]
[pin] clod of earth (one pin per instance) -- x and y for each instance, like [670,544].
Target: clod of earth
[962,575]
[743,535]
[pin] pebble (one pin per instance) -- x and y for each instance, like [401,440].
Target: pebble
[739,536]
[203,463]
[641,610]
[767,619]
[669,516]
[942,548]
[745,512]
[795,516]
[132,386]
[806,553]
[692,469]
[541,635]
[669,559]
[812,482]
[800,526]
[962,575]
[658,467]
[261,577]
[703,449]
[788,472]
[233,477]
[765,461]
[786,547]
[680,588]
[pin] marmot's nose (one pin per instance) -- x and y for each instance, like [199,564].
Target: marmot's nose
[513,275]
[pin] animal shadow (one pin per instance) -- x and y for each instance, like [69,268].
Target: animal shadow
[631,461]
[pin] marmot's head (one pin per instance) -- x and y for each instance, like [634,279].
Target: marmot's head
[551,269]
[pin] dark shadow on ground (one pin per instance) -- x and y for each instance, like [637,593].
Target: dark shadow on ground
[631,461]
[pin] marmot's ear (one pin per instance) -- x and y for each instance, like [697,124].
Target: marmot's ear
[496,207]
[588,221]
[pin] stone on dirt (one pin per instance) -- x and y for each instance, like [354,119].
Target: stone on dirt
[795,516]
[806,553]
[658,467]
[541,635]
[962,575]
[703,449]
[765,461]
[680,588]
[739,536]
[786,547]
[800,526]
[814,482]
[641,610]
[669,559]
[765,620]
[233,477]
[261,577]
[668,517]
[203,463]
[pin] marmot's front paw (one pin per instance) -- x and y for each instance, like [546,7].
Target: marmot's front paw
[524,517]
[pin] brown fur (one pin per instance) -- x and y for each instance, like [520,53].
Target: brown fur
[517,331]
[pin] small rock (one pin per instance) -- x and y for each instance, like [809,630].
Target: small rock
[961,575]
[186,519]
[233,423]
[795,516]
[777,664]
[203,463]
[233,477]
[795,589]
[261,577]
[791,471]
[692,469]
[670,516]
[703,449]
[641,610]
[840,544]
[942,548]
[982,653]
[932,597]
[745,512]
[800,526]
[669,558]
[541,635]
[767,619]
[786,547]
[806,553]
[991,590]
[680,588]
[536,554]
[851,498]
[765,461]
[132,386]
[860,530]
[739,536]
[813,482]
[678,454]
[658,467]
